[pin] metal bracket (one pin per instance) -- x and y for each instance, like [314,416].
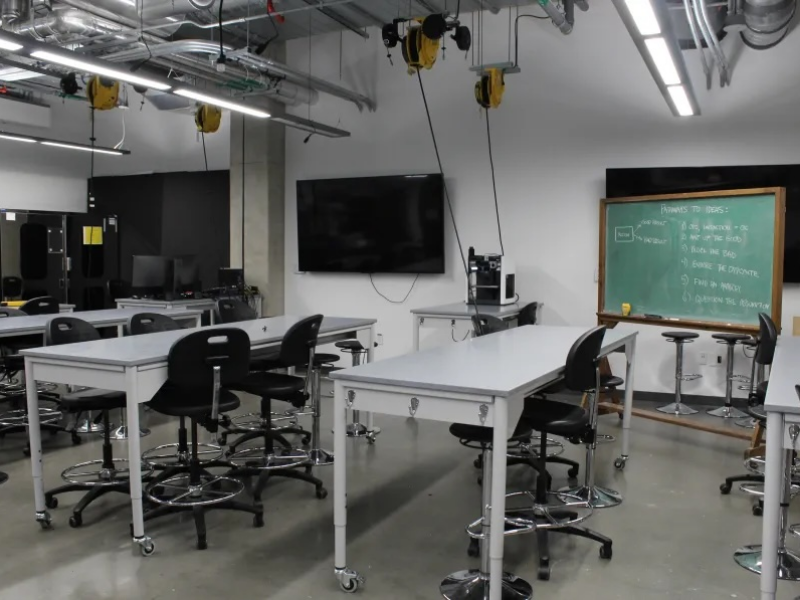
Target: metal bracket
[351,398]
[483,412]
[794,433]
[412,409]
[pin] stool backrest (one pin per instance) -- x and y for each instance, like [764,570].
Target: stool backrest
[528,315]
[487,324]
[580,373]
[10,312]
[229,310]
[70,330]
[767,340]
[192,358]
[144,323]
[44,305]
[299,341]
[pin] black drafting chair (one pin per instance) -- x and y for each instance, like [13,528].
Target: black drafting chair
[95,477]
[201,366]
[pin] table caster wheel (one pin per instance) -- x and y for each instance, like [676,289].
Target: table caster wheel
[26,451]
[478,463]
[725,489]
[474,549]
[605,552]
[351,587]
[258,520]
[44,520]
[76,520]
[147,547]
[306,440]
[758,510]
[51,502]
[544,570]
[371,439]
[202,544]
[322,493]
[620,463]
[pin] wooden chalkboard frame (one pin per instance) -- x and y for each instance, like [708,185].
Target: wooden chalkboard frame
[611,319]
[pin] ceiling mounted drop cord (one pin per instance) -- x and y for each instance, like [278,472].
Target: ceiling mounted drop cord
[205,155]
[494,182]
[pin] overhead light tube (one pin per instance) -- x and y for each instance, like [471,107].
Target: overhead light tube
[222,103]
[90,67]
[644,16]
[681,100]
[659,52]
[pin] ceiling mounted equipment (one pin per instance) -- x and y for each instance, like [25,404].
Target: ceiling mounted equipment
[30,139]
[650,27]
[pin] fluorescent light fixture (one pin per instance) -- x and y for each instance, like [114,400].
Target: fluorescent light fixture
[17,138]
[14,74]
[84,148]
[659,52]
[681,100]
[11,216]
[644,16]
[9,45]
[221,103]
[88,67]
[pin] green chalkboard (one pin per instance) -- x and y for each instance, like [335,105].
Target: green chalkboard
[710,259]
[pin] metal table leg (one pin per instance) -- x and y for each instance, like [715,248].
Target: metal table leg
[627,412]
[35,441]
[773,481]
[144,543]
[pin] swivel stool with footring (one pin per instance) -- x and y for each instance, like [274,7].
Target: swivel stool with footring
[727,411]
[680,339]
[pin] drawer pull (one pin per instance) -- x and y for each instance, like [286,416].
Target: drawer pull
[483,412]
[412,409]
[794,433]
[351,398]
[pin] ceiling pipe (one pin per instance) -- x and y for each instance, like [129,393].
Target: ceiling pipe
[693,27]
[64,21]
[13,11]
[767,22]
[556,16]
[712,41]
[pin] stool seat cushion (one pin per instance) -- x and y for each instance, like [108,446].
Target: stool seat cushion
[350,345]
[93,399]
[558,418]
[484,435]
[272,385]
[730,338]
[680,335]
[325,359]
[610,381]
[195,404]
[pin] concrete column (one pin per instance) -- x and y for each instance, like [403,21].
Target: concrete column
[257,204]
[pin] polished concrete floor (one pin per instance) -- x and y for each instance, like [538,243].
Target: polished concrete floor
[410,497]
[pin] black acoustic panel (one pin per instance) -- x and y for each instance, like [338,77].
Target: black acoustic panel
[92,261]
[33,251]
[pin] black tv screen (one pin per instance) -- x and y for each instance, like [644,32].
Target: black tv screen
[675,180]
[389,224]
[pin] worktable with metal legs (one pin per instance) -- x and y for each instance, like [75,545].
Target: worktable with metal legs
[483,381]
[782,405]
[137,365]
[461,311]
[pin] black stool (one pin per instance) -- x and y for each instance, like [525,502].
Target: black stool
[609,385]
[679,338]
[473,584]
[728,411]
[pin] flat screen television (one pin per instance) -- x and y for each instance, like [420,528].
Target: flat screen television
[391,224]
[674,180]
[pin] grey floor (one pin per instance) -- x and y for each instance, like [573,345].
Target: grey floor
[410,497]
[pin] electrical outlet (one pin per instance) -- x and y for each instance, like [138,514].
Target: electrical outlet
[703,358]
[380,339]
[716,360]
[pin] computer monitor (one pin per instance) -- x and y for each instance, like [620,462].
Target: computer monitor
[187,274]
[152,275]
[231,278]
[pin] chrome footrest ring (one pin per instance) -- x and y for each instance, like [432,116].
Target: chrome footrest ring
[541,515]
[257,458]
[167,455]
[19,417]
[179,491]
[92,473]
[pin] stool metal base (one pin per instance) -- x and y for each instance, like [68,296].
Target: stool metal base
[473,585]
[727,412]
[89,426]
[676,409]
[749,557]
[747,423]
[603,438]
[320,458]
[356,430]
[121,433]
[596,497]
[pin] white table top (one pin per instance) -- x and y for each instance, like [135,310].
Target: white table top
[110,317]
[462,310]
[501,364]
[154,348]
[783,376]
[154,302]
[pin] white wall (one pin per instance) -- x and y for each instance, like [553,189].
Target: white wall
[39,177]
[582,103]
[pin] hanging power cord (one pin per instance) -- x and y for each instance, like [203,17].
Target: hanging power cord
[403,301]
[221,59]
[494,183]
[453,335]
[516,34]
[471,296]
[205,154]
[142,38]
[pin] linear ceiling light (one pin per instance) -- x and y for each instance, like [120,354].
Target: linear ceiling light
[681,100]
[644,16]
[213,100]
[659,52]
[9,45]
[30,139]
[89,67]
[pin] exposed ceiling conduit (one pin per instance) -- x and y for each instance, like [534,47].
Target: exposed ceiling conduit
[252,61]
[64,21]
[14,10]
[767,22]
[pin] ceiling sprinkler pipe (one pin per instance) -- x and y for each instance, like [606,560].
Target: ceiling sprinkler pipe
[767,22]
[556,16]
[14,11]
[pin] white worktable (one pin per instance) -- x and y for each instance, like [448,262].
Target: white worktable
[137,365]
[782,406]
[201,304]
[461,311]
[111,317]
[483,381]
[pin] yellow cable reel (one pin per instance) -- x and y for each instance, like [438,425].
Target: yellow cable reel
[103,93]
[419,51]
[208,118]
[489,90]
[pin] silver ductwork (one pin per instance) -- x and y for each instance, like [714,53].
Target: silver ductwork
[767,22]
[12,11]
[65,21]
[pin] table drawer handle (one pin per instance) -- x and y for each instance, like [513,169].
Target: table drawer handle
[794,432]
[412,409]
[351,398]
[483,412]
